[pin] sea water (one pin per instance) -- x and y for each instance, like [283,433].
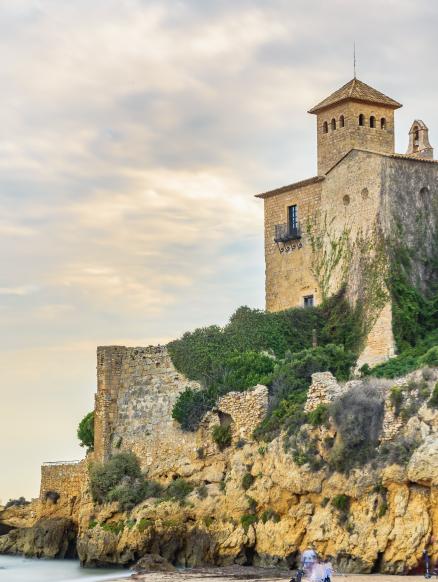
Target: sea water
[18,569]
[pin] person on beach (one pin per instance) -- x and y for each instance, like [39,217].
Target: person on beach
[328,570]
[308,561]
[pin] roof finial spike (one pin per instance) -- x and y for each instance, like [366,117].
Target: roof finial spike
[354,58]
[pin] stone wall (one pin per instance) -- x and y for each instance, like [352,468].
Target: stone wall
[137,388]
[288,276]
[246,409]
[65,479]
[136,414]
[323,390]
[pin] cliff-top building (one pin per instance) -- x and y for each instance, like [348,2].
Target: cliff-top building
[335,230]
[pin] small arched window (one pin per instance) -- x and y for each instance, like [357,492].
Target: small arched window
[333,124]
[416,139]
[325,127]
[372,121]
[361,119]
[383,123]
[342,121]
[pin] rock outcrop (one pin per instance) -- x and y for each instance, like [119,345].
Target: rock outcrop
[47,538]
[378,517]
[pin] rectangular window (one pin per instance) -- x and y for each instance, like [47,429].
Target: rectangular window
[292,218]
[308,301]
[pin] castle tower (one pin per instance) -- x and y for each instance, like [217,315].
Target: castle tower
[419,145]
[356,116]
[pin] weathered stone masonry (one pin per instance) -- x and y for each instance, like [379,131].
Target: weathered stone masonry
[363,192]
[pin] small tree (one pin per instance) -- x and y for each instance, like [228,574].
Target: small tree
[86,431]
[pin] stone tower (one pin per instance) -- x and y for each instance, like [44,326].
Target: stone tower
[419,145]
[355,116]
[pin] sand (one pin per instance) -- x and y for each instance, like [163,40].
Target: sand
[235,574]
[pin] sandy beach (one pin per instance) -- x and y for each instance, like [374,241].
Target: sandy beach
[233,574]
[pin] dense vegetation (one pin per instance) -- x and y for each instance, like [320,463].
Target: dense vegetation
[358,418]
[86,431]
[278,350]
[120,479]
[415,318]
[258,347]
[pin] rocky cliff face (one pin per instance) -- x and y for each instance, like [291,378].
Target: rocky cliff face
[379,517]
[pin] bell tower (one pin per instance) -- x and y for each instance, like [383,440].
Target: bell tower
[419,146]
[356,116]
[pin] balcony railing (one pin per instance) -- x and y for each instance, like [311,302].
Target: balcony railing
[285,233]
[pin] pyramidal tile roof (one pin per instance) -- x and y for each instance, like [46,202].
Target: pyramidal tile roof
[357,91]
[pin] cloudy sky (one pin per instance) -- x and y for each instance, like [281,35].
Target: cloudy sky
[134,134]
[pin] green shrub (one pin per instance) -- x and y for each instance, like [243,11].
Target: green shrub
[433,401]
[202,491]
[191,405]
[270,515]
[319,416]
[341,502]
[383,509]
[115,527]
[291,380]
[430,358]
[17,502]
[252,503]
[358,417]
[178,490]
[129,494]
[396,397]
[221,435]
[409,360]
[247,520]
[208,521]
[398,452]
[236,372]
[198,352]
[144,524]
[247,481]
[104,477]
[86,431]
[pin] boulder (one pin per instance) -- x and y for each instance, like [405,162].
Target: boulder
[153,563]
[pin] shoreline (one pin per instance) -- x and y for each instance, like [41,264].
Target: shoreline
[251,574]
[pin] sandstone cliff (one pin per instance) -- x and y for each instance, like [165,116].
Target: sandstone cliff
[378,517]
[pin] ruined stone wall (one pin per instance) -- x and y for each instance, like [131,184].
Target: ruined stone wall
[142,401]
[332,146]
[109,371]
[148,388]
[288,276]
[65,479]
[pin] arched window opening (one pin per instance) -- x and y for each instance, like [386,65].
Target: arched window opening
[325,127]
[342,121]
[424,192]
[383,123]
[372,121]
[416,139]
[333,124]
[362,119]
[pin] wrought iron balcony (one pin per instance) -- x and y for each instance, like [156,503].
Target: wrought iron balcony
[285,233]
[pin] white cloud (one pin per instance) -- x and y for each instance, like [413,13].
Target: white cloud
[134,135]
[20,291]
